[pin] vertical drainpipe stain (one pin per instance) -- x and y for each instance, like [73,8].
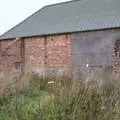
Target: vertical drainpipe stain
[22,54]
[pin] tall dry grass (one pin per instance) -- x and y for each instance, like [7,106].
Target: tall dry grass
[95,98]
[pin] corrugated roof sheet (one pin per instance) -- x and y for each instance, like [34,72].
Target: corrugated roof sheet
[76,15]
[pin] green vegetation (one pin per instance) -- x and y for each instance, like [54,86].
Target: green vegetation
[59,98]
[24,106]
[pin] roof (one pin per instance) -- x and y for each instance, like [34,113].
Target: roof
[72,16]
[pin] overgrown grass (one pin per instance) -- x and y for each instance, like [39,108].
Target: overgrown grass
[24,106]
[22,103]
[59,98]
[88,101]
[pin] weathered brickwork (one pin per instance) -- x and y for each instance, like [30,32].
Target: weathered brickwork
[50,54]
[97,51]
[34,54]
[59,53]
[9,54]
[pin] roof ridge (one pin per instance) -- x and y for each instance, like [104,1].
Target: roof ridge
[61,3]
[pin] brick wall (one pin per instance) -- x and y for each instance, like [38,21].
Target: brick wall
[55,54]
[51,54]
[97,50]
[34,54]
[9,54]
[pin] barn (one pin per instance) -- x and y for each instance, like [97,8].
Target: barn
[64,38]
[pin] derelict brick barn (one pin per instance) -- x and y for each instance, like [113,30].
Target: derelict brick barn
[63,38]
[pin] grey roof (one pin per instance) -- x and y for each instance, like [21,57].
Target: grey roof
[72,16]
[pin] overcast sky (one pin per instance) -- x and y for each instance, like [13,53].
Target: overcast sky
[14,11]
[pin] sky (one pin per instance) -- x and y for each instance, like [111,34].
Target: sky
[14,11]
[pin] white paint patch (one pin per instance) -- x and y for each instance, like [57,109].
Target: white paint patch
[87,65]
[51,82]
